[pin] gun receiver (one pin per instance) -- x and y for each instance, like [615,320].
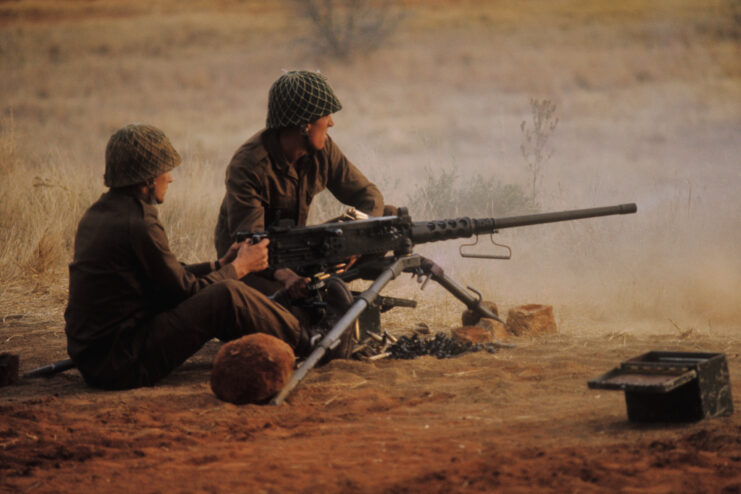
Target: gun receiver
[316,248]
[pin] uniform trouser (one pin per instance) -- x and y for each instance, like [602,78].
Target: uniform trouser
[226,310]
[270,287]
[262,284]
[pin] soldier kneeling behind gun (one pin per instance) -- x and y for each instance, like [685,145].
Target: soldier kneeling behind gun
[135,313]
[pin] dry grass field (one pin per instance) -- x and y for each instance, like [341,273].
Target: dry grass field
[648,101]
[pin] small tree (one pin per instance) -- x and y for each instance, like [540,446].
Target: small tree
[536,138]
[349,27]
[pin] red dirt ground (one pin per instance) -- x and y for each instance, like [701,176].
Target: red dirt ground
[520,420]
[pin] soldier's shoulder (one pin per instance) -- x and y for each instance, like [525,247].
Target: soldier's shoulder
[116,212]
[251,154]
[118,204]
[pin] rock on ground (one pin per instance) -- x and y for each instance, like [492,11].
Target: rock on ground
[470,318]
[251,369]
[531,320]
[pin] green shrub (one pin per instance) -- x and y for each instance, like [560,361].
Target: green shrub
[345,28]
[444,195]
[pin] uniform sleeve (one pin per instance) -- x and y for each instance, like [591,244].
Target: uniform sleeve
[198,269]
[172,281]
[349,185]
[244,202]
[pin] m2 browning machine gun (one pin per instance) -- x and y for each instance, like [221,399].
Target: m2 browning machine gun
[384,247]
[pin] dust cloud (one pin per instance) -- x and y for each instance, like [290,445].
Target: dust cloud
[646,98]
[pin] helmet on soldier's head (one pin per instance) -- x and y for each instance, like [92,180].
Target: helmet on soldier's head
[137,153]
[300,97]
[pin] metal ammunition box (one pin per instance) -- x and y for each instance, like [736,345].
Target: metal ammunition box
[671,386]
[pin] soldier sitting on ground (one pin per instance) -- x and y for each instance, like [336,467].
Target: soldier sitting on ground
[135,313]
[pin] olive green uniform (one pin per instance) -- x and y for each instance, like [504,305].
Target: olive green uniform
[262,188]
[135,313]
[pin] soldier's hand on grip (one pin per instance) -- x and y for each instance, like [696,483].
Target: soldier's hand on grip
[251,257]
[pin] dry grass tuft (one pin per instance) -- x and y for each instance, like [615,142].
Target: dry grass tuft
[38,212]
[48,254]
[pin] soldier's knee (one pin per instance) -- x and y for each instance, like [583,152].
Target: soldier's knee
[227,289]
[231,285]
[234,290]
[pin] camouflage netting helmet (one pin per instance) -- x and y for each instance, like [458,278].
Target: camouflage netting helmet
[300,97]
[137,153]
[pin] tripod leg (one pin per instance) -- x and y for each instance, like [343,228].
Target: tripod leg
[459,292]
[333,337]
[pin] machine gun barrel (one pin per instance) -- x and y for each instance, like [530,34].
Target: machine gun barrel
[576,214]
[315,248]
[433,231]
